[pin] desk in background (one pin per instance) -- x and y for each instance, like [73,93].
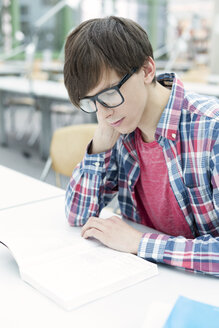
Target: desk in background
[204,89]
[213,79]
[13,68]
[53,70]
[17,189]
[45,92]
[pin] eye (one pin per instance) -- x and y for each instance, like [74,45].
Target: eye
[108,93]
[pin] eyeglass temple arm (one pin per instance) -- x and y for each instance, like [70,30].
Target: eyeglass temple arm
[127,76]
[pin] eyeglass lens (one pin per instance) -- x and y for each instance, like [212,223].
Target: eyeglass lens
[110,98]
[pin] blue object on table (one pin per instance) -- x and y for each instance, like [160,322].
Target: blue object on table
[188,313]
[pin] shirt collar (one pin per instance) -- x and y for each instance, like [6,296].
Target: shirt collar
[169,121]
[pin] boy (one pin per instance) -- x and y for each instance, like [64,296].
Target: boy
[156,145]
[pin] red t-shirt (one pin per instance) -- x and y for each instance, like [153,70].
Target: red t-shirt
[157,205]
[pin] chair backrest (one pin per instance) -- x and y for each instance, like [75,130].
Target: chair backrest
[68,146]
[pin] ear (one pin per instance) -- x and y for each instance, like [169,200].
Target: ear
[149,70]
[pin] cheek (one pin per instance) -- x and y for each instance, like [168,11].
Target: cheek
[136,103]
[133,114]
[136,94]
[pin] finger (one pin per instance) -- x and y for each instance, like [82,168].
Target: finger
[93,223]
[95,233]
[91,220]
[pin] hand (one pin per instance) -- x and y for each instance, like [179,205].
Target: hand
[114,233]
[105,135]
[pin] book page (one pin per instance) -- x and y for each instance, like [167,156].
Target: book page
[86,275]
[54,258]
[36,229]
[41,230]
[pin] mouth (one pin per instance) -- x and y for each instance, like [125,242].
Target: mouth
[117,123]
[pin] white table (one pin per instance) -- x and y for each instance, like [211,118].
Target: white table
[213,79]
[45,92]
[52,68]
[18,189]
[12,69]
[204,89]
[23,306]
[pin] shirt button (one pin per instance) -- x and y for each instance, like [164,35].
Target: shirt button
[97,164]
[129,182]
[174,135]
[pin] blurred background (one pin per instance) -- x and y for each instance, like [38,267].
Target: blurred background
[33,100]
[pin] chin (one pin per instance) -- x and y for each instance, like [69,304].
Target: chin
[127,130]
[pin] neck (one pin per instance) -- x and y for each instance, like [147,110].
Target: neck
[158,97]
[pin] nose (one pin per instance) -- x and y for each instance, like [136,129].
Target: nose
[105,110]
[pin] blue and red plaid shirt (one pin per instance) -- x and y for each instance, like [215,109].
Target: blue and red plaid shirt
[188,132]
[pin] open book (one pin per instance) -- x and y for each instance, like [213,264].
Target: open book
[56,260]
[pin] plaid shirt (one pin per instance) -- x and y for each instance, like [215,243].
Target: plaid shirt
[188,132]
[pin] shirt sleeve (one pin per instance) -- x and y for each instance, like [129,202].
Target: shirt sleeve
[200,254]
[92,186]
[214,166]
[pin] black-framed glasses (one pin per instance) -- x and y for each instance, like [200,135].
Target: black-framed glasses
[109,97]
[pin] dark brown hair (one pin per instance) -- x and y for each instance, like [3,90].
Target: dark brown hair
[102,43]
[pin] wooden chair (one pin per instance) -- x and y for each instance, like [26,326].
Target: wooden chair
[67,149]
